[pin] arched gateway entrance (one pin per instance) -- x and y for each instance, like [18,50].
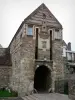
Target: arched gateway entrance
[42,79]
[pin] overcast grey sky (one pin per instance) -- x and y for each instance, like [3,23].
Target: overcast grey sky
[13,12]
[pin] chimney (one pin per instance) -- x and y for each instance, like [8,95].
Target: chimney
[69,46]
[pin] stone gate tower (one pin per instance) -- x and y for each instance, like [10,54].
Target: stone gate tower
[36,53]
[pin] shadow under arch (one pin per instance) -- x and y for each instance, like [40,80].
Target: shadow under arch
[42,79]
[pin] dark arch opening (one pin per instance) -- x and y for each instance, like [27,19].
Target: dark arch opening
[42,79]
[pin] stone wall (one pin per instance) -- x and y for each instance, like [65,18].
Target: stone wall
[5,67]
[5,73]
[23,58]
[22,51]
[42,54]
[58,65]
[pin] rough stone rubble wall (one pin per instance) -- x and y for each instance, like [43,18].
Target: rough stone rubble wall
[5,73]
[22,53]
[23,61]
[58,64]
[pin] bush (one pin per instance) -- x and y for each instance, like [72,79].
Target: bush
[7,93]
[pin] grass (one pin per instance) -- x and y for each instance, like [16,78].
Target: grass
[6,93]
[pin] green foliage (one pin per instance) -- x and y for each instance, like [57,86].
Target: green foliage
[6,93]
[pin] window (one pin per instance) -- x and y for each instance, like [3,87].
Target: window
[57,34]
[69,56]
[44,44]
[64,51]
[30,30]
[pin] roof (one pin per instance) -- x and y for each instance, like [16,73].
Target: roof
[33,13]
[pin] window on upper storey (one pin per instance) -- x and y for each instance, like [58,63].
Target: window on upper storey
[57,34]
[30,30]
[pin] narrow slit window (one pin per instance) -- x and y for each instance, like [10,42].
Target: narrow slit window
[50,44]
[36,46]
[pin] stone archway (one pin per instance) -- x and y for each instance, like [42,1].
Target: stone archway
[42,79]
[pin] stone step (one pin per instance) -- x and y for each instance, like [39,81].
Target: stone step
[24,98]
[34,97]
[28,98]
[45,96]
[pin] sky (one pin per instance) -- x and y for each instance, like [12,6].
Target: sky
[13,12]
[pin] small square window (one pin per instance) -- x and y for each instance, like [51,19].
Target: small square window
[44,44]
[30,30]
